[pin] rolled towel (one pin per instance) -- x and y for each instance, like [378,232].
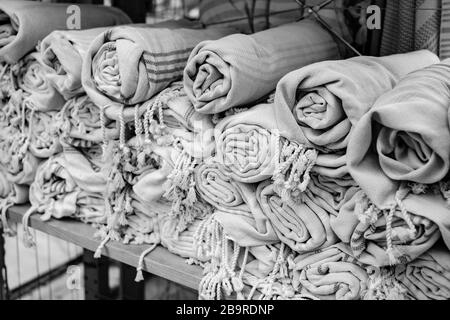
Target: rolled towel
[80,123]
[388,237]
[129,65]
[24,23]
[5,185]
[331,194]
[62,55]
[254,147]
[40,94]
[328,98]
[8,82]
[427,277]
[304,226]
[404,137]
[63,52]
[238,211]
[227,72]
[331,273]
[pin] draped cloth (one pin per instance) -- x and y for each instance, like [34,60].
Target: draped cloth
[24,23]
[331,273]
[427,277]
[227,72]
[129,65]
[405,136]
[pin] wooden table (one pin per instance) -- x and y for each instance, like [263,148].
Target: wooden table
[159,262]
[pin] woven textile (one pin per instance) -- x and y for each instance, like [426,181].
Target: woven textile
[227,72]
[411,25]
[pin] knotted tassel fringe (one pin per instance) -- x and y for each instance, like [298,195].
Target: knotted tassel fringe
[28,239]
[293,164]
[139,274]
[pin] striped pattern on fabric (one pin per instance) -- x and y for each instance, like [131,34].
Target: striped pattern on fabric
[411,25]
[163,67]
[444,49]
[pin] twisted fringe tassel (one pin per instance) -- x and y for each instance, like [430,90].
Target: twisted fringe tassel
[139,274]
[103,129]
[266,284]
[293,164]
[98,251]
[5,204]
[28,239]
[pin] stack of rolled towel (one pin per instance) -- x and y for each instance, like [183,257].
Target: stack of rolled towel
[281,170]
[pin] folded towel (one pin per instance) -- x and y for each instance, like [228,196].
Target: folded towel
[227,73]
[84,166]
[330,273]
[405,136]
[427,277]
[62,55]
[55,194]
[328,98]
[304,226]
[381,238]
[25,23]
[129,65]
[238,211]
[40,94]
[80,123]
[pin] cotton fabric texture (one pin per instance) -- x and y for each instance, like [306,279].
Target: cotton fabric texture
[129,65]
[303,226]
[328,98]
[427,277]
[24,23]
[239,69]
[237,209]
[331,273]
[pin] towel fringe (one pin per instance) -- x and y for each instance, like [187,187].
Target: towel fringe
[28,239]
[5,204]
[382,285]
[293,164]
[140,266]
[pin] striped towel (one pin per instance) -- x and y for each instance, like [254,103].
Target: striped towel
[387,237]
[303,226]
[427,277]
[129,65]
[411,25]
[227,73]
[444,42]
[330,274]
[24,23]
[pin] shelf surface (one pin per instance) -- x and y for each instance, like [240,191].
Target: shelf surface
[159,262]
